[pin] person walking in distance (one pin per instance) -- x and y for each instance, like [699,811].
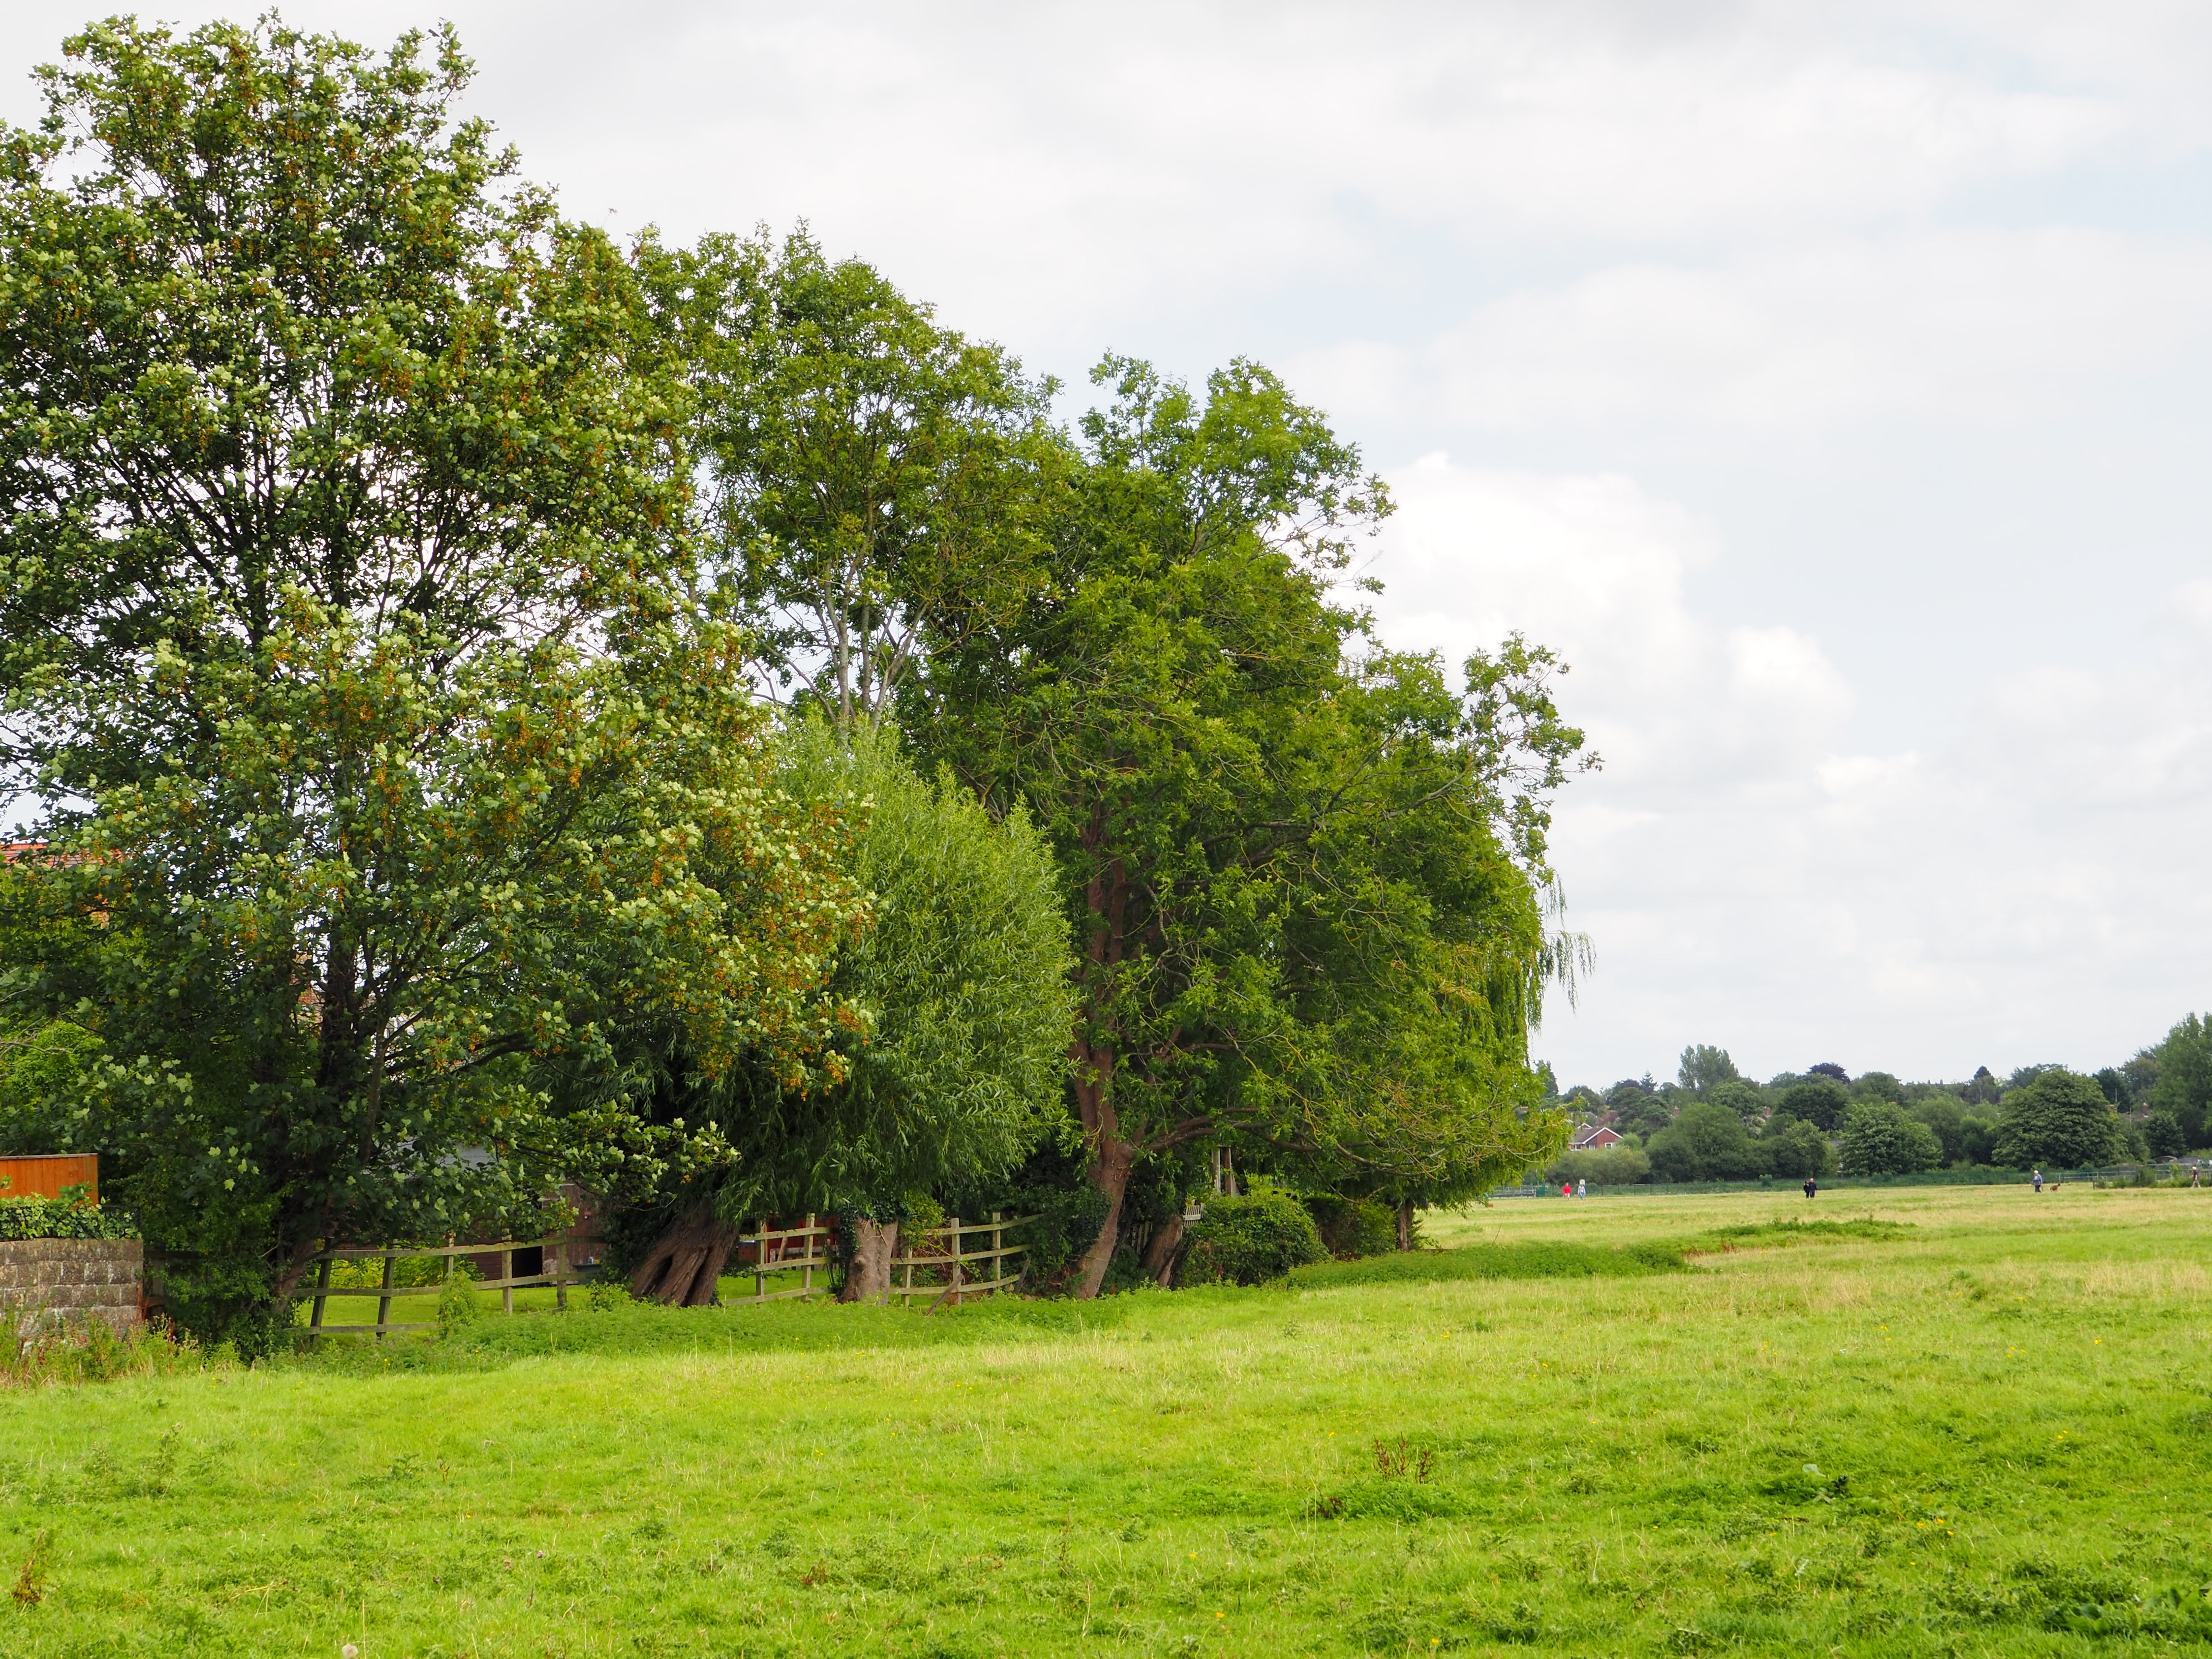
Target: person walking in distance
[2036,1177]
[1582,1186]
[1812,1187]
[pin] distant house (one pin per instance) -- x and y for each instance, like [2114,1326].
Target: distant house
[1590,1139]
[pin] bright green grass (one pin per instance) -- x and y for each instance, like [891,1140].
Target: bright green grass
[2004,1410]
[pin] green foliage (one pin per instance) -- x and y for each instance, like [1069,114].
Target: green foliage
[954,1063]
[1792,1151]
[1620,1165]
[1704,1065]
[878,483]
[1250,1239]
[457,1303]
[1945,1115]
[1521,1260]
[2164,1136]
[1351,1228]
[2059,1120]
[1818,1101]
[55,1218]
[1705,1142]
[47,1071]
[1881,1138]
[1878,1086]
[1305,881]
[2182,1070]
[1746,1100]
[389,788]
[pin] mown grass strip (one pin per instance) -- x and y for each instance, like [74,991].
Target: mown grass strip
[1794,1231]
[1536,1259]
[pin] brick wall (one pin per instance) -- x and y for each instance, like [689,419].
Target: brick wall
[73,1279]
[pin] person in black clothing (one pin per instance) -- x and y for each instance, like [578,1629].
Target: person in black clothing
[1811,1186]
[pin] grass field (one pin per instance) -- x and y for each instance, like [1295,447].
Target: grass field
[1982,1431]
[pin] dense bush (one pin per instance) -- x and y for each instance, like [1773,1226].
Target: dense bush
[1792,1151]
[1705,1142]
[55,1218]
[1614,1166]
[1353,1227]
[1248,1240]
[1818,1101]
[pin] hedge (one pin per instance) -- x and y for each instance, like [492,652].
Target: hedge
[55,1218]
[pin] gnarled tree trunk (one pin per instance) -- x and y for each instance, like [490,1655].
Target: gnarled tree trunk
[685,1261]
[1405,1224]
[868,1277]
[1160,1255]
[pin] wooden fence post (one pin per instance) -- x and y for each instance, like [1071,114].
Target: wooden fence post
[322,1290]
[760,1259]
[998,1244]
[807,1262]
[384,1302]
[953,1222]
[561,1275]
[507,1272]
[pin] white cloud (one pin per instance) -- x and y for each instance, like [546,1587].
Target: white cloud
[1933,328]
[1752,883]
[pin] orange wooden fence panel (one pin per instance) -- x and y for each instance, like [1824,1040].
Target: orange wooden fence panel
[45,1177]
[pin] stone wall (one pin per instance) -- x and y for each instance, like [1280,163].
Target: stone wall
[73,1279]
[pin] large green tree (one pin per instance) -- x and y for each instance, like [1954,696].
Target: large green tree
[1881,1138]
[2184,1073]
[2059,1119]
[879,485]
[385,786]
[1306,878]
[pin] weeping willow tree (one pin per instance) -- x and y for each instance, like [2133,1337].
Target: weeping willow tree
[953,1064]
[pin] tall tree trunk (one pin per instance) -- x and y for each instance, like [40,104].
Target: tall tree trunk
[684,1263]
[1406,1223]
[1160,1255]
[869,1275]
[1092,1049]
[1111,1159]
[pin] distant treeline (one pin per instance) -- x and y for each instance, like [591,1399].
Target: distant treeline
[1712,1123]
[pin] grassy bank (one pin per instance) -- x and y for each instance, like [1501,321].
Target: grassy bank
[1973,1433]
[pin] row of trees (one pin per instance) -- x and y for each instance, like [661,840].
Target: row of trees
[503,709]
[1712,1124]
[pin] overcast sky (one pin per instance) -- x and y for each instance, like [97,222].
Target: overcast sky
[1827,383]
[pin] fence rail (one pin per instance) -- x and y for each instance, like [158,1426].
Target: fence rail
[937,1254]
[559,1276]
[947,1267]
[781,1249]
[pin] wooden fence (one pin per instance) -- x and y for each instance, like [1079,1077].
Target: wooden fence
[944,1265]
[36,1176]
[781,1249]
[937,1254]
[560,1275]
